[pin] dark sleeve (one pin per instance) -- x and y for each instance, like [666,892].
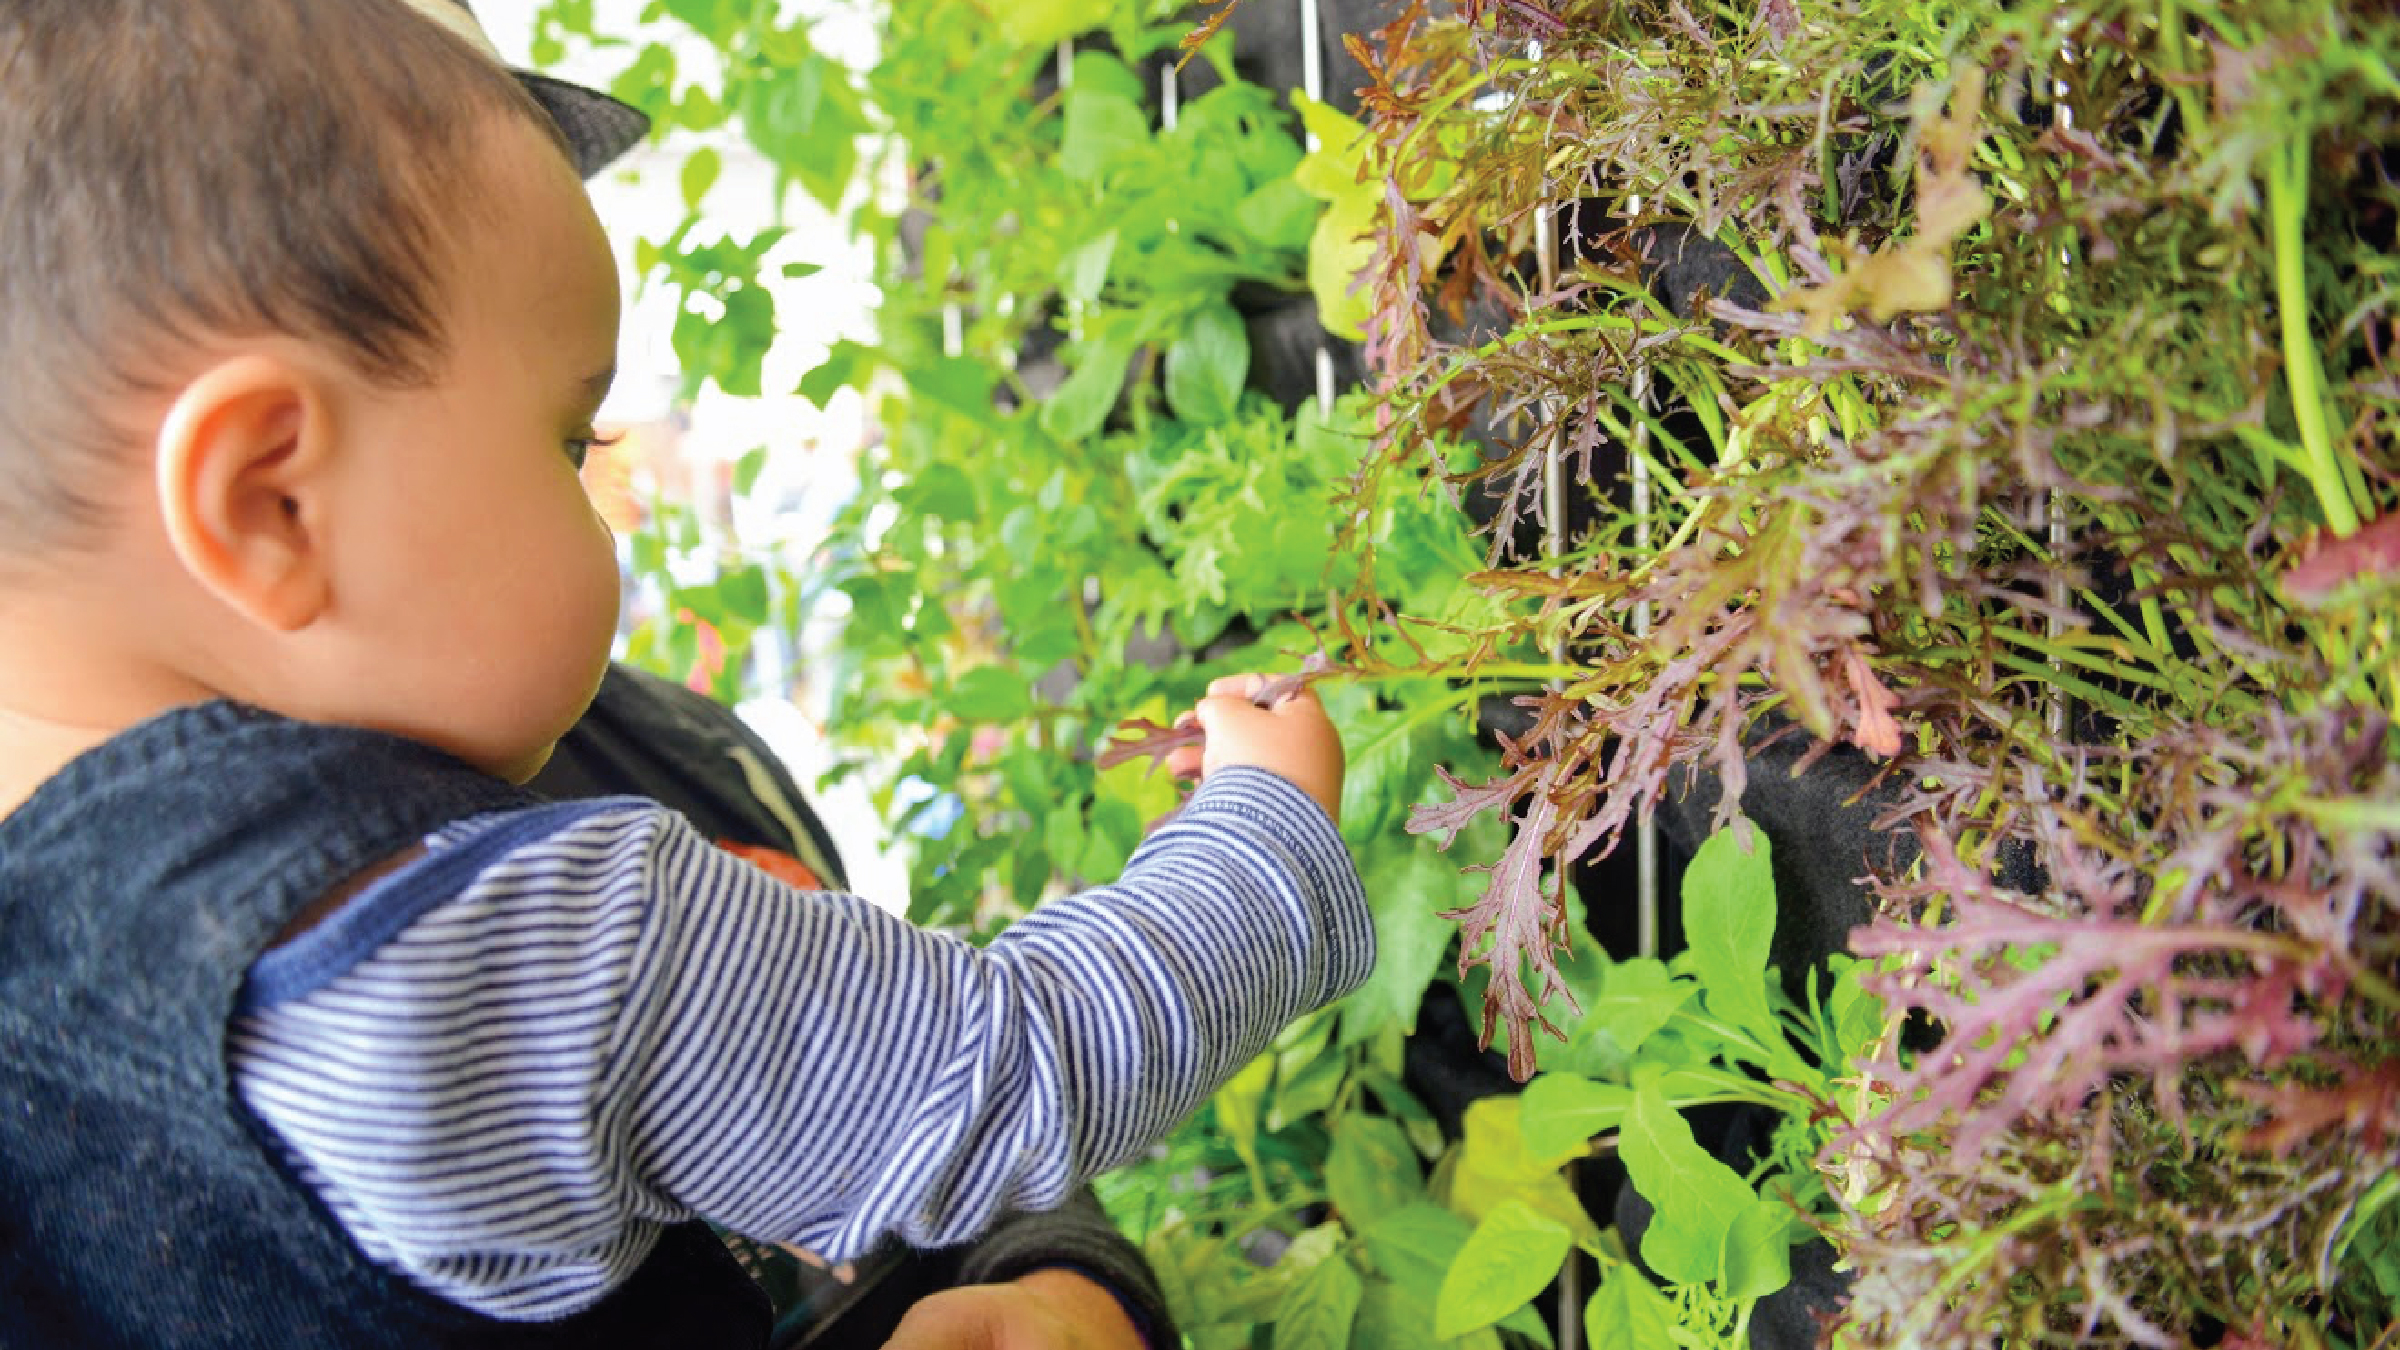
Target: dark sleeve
[648,737]
[1078,1236]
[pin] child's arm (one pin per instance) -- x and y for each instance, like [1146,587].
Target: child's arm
[697,1039]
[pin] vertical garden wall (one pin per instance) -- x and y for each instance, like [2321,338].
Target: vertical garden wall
[1950,447]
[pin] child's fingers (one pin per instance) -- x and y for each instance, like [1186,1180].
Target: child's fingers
[1217,709]
[1184,761]
[1302,701]
[1244,685]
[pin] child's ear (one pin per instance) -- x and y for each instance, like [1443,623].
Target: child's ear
[243,459]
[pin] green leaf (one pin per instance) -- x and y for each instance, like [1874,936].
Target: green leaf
[1114,834]
[1408,888]
[1758,1251]
[1424,1132]
[1562,1111]
[1083,403]
[1510,1257]
[1307,1089]
[1414,1244]
[1063,835]
[1044,23]
[697,110]
[743,591]
[1084,271]
[1858,1016]
[1317,1309]
[1278,216]
[1103,126]
[1339,249]
[1206,365]
[1636,998]
[1028,773]
[1372,1171]
[1239,1103]
[729,347]
[747,469]
[804,117]
[1324,1242]
[938,496]
[699,175]
[712,18]
[649,555]
[1729,923]
[1492,1165]
[1388,762]
[1493,1157]
[646,84]
[1528,1322]
[842,368]
[1586,1050]
[1628,1311]
[1392,1318]
[1331,171]
[990,694]
[1700,1202]
[956,383]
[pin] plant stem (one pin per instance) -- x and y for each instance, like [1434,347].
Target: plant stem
[2117,705]
[2375,987]
[2078,654]
[2304,376]
[2173,58]
[2353,814]
[1984,1247]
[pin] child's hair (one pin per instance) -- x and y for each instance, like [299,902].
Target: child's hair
[202,168]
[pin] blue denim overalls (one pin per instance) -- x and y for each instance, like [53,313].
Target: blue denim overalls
[140,1204]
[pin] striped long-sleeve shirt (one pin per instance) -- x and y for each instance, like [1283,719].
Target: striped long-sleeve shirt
[507,1065]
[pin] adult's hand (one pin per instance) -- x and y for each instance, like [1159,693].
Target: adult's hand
[1041,1310]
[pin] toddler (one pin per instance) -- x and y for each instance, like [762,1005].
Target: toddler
[314,1028]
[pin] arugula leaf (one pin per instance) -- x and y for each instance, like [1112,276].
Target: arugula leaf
[1758,1251]
[1707,1228]
[1729,924]
[1510,1257]
[1628,1311]
[1636,998]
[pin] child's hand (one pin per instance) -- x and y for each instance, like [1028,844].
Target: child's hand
[1294,739]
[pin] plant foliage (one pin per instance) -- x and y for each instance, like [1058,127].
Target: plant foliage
[2058,350]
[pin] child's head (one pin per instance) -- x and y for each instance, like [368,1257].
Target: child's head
[302,315]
